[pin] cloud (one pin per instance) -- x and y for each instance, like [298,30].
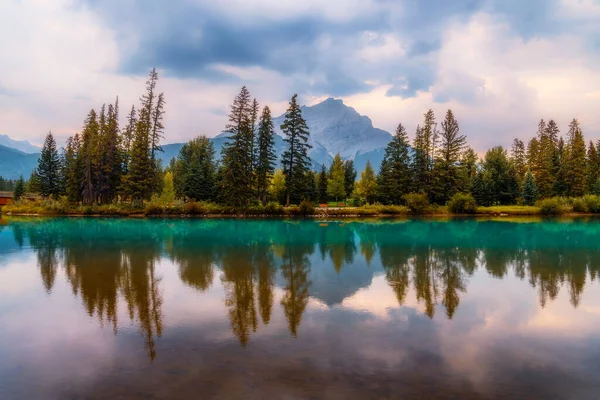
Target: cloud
[500,64]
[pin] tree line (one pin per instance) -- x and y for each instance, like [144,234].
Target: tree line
[105,164]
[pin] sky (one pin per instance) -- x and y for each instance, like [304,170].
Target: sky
[500,65]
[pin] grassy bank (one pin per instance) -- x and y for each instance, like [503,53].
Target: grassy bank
[556,206]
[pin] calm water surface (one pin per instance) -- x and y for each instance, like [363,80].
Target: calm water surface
[177,309]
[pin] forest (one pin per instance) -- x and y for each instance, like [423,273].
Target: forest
[107,164]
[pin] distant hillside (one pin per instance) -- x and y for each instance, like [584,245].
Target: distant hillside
[21,145]
[15,163]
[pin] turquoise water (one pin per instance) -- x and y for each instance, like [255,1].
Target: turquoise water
[268,309]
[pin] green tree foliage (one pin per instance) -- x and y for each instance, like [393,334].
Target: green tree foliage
[575,160]
[592,172]
[560,182]
[194,172]
[544,164]
[336,188]
[424,146]
[266,157]
[447,165]
[349,176]
[394,180]
[530,190]
[168,191]
[73,169]
[295,159]
[19,190]
[322,185]
[278,187]
[237,179]
[49,168]
[468,169]
[496,182]
[33,183]
[519,159]
[366,188]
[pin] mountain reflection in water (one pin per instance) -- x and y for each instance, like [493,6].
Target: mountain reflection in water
[260,269]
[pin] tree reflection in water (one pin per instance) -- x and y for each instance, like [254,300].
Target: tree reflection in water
[108,260]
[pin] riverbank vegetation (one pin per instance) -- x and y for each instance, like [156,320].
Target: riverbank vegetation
[109,170]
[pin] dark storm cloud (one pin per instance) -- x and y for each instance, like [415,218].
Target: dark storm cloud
[188,39]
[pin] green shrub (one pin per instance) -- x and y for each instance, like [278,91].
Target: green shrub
[392,210]
[154,209]
[592,203]
[417,203]
[193,208]
[462,203]
[273,208]
[552,206]
[579,205]
[306,208]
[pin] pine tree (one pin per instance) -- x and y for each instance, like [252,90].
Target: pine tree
[110,156]
[544,164]
[127,140]
[266,157]
[140,181]
[468,169]
[295,159]
[394,180]
[157,126]
[336,183]
[49,168]
[424,152]
[322,185]
[33,184]
[237,179]
[73,169]
[366,188]
[533,149]
[87,157]
[575,157]
[519,160]
[349,176]
[560,182]
[447,166]
[530,190]
[195,170]
[499,177]
[592,167]
[19,189]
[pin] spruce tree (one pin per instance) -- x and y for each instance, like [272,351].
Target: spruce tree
[195,170]
[336,184]
[519,160]
[140,180]
[49,168]
[575,160]
[468,169]
[127,138]
[530,190]
[73,169]
[19,189]
[295,160]
[366,188]
[560,182]
[110,156]
[265,154]
[349,176]
[322,184]
[424,151]
[394,180]
[544,163]
[237,178]
[87,157]
[592,167]
[452,144]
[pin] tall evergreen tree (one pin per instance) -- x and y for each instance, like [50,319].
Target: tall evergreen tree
[295,159]
[322,184]
[194,172]
[545,170]
[468,167]
[110,156]
[447,169]
[349,177]
[19,190]
[498,177]
[530,190]
[575,160]
[127,139]
[394,180]
[560,182]
[519,159]
[49,168]
[266,157]
[592,167]
[73,169]
[140,181]
[336,184]
[237,178]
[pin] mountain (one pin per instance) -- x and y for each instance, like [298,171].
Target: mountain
[334,128]
[21,145]
[14,163]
